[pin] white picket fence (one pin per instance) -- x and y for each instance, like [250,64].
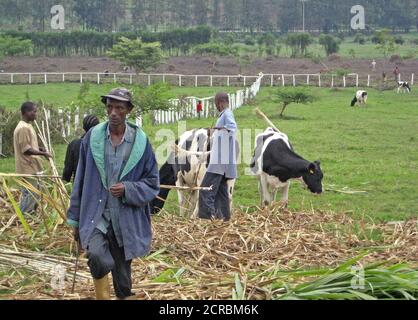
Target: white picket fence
[276,79]
[179,80]
[186,108]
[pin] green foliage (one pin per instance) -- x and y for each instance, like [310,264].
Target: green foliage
[154,97]
[137,54]
[385,42]
[330,44]
[10,46]
[399,40]
[94,43]
[374,282]
[215,49]
[299,43]
[360,39]
[289,96]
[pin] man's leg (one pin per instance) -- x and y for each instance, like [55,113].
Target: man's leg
[28,201]
[121,273]
[207,209]
[100,262]
[222,201]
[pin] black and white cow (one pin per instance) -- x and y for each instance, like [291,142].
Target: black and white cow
[360,98]
[187,168]
[403,86]
[275,163]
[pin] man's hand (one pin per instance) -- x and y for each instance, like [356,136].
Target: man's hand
[117,190]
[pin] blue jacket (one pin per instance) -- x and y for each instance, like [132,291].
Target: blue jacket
[88,199]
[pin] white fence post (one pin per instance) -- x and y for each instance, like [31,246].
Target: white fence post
[307,80]
[45,79]
[11,78]
[149,80]
[272,81]
[81,78]
[283,80]
[368,80]
[98,78]
[63,77]
[294,80]
[245,81]
[211,81]
[130,78]
[319,80]
[357,81]
[227,81]
[114,78]
[195,81]
[412,79]
[344,81]
[179,80]
[30,78]
[332,81]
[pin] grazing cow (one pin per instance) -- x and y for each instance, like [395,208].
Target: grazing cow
[404,87]
[360,98]
[187,168]
[275,163]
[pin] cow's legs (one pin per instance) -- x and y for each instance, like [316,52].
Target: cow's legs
[285,195]
[266,195]
[181,196]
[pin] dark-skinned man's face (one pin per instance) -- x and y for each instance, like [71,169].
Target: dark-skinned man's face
[31,115]
[117,111]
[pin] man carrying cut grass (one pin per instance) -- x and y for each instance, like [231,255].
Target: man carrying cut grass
[28,154]
[117,177]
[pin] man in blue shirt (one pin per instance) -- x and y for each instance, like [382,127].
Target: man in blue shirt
[117,177]
[215,203]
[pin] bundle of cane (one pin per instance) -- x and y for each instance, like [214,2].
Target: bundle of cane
[45,136]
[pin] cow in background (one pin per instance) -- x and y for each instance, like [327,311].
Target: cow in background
[360,98]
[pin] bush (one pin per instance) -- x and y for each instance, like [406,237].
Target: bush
[360,39]
[249,41]
[214,48]
[330,44]
[399,40]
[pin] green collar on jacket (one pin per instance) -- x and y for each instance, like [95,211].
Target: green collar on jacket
[97,145]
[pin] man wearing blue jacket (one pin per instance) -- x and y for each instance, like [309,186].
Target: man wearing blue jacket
[215,203]
[117,177]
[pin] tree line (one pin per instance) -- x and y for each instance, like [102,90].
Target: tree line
[227,15]
[94,43]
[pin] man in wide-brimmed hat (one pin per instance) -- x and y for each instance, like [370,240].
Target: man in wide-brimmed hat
[117,177]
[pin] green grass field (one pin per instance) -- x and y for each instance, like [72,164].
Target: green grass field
[372,149]
[58,94]
[369,50]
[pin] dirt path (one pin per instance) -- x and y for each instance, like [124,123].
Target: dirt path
[205,65]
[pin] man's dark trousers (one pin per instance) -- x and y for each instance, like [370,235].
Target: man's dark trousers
[214,204]
[104,256]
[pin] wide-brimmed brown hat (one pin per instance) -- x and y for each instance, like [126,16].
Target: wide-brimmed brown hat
[119,94]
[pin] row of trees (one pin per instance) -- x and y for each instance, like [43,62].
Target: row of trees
[93,43]
[237,15]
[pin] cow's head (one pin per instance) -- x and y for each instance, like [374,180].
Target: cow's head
[313,177]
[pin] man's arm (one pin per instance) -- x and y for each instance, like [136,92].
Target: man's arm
[73,214]
[68,163]
[24,143]
[140,193]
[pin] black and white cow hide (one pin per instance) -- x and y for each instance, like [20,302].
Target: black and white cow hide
[187,168]
[360,98]
[275,163]
[403,87]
